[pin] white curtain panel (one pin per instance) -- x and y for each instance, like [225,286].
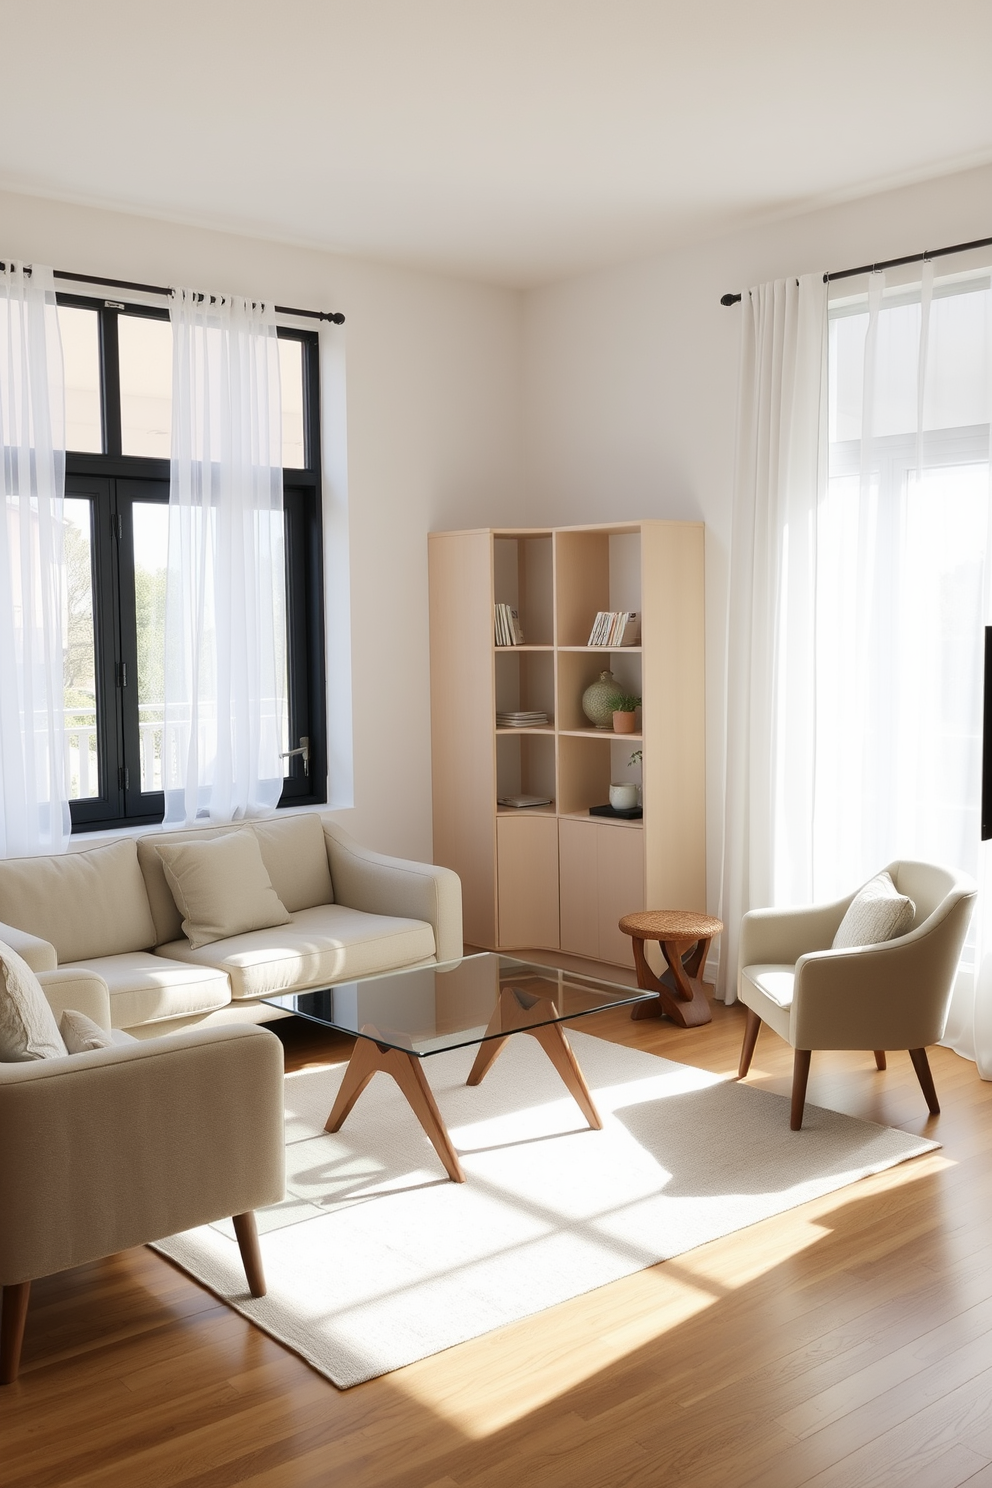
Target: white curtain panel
[861,582]
[902,599]
[780,471]
[34,807]
[225,626]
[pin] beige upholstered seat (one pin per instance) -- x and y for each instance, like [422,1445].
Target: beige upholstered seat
[892,995]
[120,1146]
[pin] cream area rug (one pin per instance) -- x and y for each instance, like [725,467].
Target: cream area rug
[376,1259]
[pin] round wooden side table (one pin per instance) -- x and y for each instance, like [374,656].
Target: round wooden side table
[684,938]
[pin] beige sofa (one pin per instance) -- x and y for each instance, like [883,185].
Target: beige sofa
[109,909]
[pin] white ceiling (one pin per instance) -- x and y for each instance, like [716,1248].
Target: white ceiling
[511,140]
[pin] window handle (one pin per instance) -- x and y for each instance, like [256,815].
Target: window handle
[304,749]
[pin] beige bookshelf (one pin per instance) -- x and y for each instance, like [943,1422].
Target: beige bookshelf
[553,877]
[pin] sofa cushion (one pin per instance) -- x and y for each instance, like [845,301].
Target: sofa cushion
[221,887]
[293,851]
[28,1029]
[319,946]
[90,903]
[146,988]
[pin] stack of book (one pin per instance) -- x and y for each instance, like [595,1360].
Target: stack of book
[616,628]
[521,720]
[507,626]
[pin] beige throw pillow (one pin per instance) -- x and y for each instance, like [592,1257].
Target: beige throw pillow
[28,1029]
[877,912]
[81,1034]
[221,887]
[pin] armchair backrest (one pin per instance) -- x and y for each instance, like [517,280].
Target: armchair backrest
[930,887]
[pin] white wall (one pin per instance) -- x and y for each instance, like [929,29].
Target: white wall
[631,376]
[433,426]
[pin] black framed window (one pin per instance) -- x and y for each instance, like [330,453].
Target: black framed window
[118,364]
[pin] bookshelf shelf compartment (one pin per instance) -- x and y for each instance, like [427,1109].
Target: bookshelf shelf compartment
[551,876]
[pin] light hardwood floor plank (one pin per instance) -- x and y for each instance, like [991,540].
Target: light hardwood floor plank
[847,1342]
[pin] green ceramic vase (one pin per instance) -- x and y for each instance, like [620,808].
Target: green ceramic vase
[597,700]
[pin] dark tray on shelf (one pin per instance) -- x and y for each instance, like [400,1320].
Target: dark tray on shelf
[626,813]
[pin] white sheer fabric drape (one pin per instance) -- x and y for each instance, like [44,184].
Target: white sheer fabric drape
[225,626]
[34,808]
[903,599]
[779,473]
[860,586]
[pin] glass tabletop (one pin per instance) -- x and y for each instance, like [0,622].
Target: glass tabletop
[427,1009]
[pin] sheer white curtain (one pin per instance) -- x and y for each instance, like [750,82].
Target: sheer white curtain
[903,586]
[34,808]
[225,625]
[860,586]
[780,465]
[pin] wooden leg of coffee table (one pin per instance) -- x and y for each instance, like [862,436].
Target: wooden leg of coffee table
[552,1040]
[407,1070]
[515,1013]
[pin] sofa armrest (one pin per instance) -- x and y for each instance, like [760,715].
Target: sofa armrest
[781,936]
[39,954]
[75,987]
[377,884]
[122,1146]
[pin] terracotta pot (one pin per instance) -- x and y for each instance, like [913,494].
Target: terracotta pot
[623,723]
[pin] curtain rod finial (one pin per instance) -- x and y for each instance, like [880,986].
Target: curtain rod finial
[729,299]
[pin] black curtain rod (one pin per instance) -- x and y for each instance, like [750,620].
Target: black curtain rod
[888,263]
[334,316]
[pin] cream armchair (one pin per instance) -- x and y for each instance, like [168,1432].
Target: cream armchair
[121,1146]
[893,995]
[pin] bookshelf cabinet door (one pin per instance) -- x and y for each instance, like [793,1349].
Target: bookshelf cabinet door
[579,847]
[602,878]
[527,876]
[621,889]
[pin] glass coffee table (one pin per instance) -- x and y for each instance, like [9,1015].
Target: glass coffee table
[403,1017]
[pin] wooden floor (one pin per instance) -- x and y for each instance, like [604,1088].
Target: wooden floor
[847,1343]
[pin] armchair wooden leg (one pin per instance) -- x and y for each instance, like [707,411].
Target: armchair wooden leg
[800,1075]
[15,1312]
[880,1059]
[922,1067]
[750,1039]
[251,1255]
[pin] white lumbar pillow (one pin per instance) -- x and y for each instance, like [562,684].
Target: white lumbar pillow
[221,887]
[877,912]
[81,1034]
[28,1029]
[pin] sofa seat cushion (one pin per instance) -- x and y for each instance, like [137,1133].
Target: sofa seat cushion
[147,988]
[319,946]
[768,990]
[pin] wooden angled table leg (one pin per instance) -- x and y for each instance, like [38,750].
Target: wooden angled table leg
[515,1013]
[406,1069]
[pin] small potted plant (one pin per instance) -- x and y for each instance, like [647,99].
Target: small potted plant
[624,708]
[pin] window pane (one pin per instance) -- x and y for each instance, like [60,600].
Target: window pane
[81,356]
[151,538]
[79,665]
[291,375]
[146,385]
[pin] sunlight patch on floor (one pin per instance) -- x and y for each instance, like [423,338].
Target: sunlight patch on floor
[631,1313]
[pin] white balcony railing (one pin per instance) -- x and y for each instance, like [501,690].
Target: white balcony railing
[81,758]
